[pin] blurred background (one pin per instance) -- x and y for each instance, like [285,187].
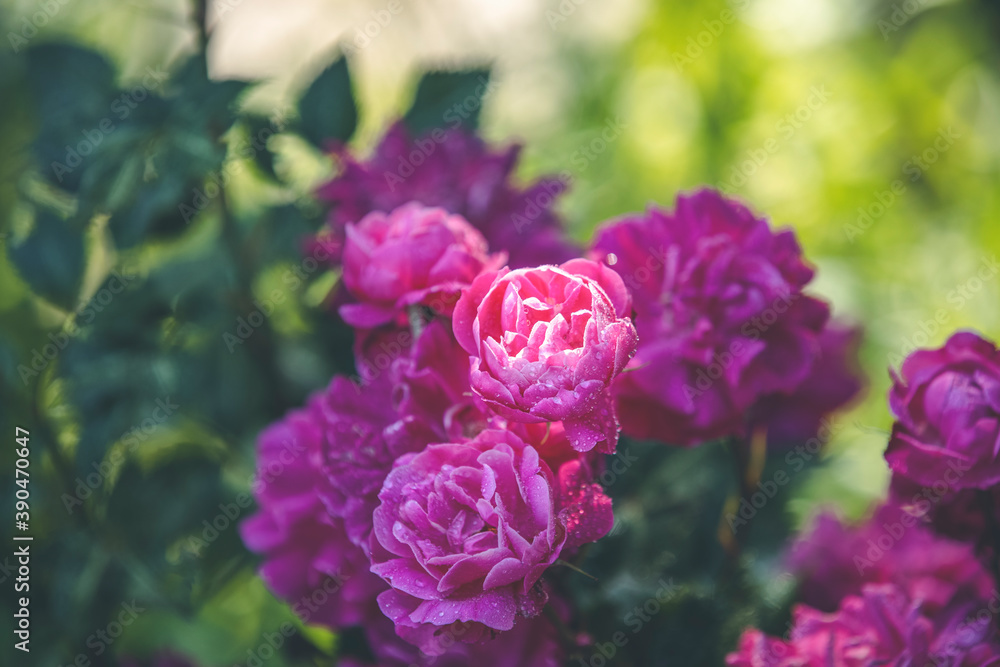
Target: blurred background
[872,128]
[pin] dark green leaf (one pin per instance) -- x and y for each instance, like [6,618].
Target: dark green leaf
[259,130]
[327,109]
[283,233]
[73,88]
[201,101]
[51,259]
[448,99]
[118,371]
[139,512]
[150,170]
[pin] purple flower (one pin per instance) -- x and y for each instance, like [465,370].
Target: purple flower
[432,393]
[457,171]
[880,626]
[947,407]
[547,343]
[834,560]
[720,312]
[413,255]
[361,440]
[305,548]
[533,642]
[959,514]
[834,380]
[463,533]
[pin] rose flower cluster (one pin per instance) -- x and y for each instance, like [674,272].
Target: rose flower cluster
[910,585]
[422,503]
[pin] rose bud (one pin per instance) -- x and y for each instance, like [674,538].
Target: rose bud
[414,255]
[947,407]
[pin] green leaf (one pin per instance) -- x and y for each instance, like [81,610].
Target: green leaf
[283,233]
[327,109]
[259,130]
[448,99]
[152,509]
[73,88]
[201,102]
[149,171]
[117,370]
[51,259]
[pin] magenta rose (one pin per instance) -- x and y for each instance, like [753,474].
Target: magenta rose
[833,560]
[835,380]
[431,390]
[947,407]
[463,533]
[960,514]
[305,548]
[457,171]
[721,315]
[880,626]
[414,255]
[362,437]
[533,642]
[547,343]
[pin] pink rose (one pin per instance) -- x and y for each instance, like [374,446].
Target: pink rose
[414,255]
[547,343]
[462,534]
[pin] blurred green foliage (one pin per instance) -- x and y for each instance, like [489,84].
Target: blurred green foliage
[179,202]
